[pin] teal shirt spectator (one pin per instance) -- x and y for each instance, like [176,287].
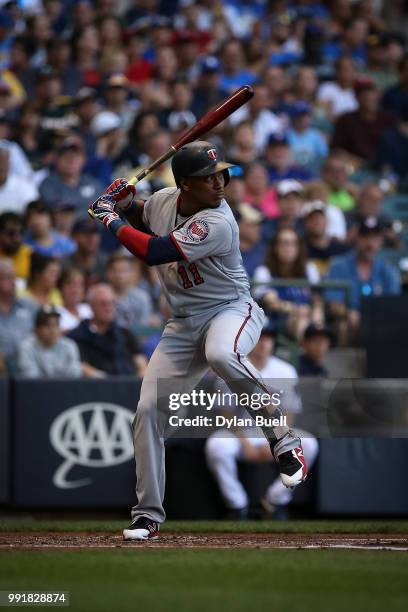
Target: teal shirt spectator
[384,280]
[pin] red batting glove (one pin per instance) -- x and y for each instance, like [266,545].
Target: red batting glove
[122,192]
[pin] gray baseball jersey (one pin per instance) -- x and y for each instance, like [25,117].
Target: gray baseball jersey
[211,273]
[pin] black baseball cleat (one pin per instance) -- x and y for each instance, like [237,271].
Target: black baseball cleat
[292,467]
[142,528]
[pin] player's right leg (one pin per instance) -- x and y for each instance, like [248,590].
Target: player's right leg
[175,360]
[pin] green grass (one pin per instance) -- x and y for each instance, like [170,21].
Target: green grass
[334,526]
[212,580]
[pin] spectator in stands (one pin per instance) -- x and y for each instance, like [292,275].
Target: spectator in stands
[335,175]
[66,182]
[59,53]
[106,348]
[155,145]
[117,99]
[366,271]
[87,256]
[224,447]
[42,281]
[336,222]
[369,204]
[291,308]
[133,304]
[16,191]
[264,121]
[358,133]
[41,237]
[338,96]
[320,246]
[280,162]
[179,113]
[16,316]
[86,106]
[242,150]
[234,73]
[30,137]
[395,99]
[253,248]
[208,91]
[392,150]
[377,66]
[45,354]
[315,344]
[258,191]
[290,201]
[73,310]
[12,246]
[307,144]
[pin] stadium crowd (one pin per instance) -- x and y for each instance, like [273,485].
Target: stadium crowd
[93,90]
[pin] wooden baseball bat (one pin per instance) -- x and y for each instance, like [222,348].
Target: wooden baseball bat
[212,118]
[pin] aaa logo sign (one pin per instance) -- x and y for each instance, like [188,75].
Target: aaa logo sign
[95,435]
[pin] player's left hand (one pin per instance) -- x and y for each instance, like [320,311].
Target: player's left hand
[122,193]
[103,209]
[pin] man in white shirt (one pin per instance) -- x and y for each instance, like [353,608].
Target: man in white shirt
[264,121]
[224,447]
[15,190]
[338,96]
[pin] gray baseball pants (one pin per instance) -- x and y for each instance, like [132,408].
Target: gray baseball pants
[221,340]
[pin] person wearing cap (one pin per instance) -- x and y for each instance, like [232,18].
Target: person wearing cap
[279,161]
[320,246]
[308,145]
[367,272]
[40,235]
[316,342]
[68,182]
[251,245]
[358,133]
[224,447]
[117,100]
[46,354]
[107,129]
[208,92]
[193,239]
[179,117]
[377,67]
[290,198]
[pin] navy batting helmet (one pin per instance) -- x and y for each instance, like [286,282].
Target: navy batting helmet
[199,158]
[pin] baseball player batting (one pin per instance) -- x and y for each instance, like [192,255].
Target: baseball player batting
[190,234]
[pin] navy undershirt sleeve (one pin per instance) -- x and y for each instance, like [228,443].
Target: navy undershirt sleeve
[162,250]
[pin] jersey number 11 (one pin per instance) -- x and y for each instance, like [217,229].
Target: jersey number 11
[197,279]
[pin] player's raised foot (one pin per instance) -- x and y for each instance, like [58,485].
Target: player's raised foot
[142,528]
[288,453]
[292,467]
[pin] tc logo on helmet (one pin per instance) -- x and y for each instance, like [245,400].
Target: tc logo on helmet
[212,154]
